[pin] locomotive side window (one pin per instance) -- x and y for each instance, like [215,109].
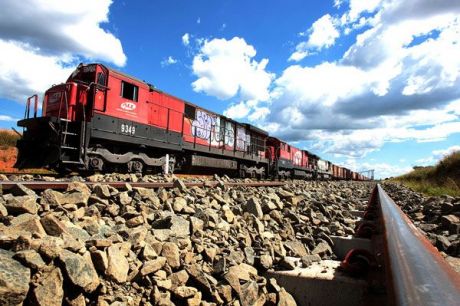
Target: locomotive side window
[101,78]
[189,111]
[129,91]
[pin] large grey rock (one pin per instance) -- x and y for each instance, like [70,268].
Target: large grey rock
[253,206]
[52,225]
[14,280]
[285,299]
[21,190]
[118,265]
[49,290]
[171,252]
[152,266]
[80,270]
[177,226]
[21,204]
[26,224]
[30,258]
[3,210]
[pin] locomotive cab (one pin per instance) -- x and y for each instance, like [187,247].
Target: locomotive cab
[75,99]
[59,133]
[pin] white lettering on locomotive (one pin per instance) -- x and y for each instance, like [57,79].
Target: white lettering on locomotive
[128,129]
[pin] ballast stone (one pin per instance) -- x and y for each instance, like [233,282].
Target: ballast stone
[49,290]
[207,248]
[80,271]
[14,280]
[21,204]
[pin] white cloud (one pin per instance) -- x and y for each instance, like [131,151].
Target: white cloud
[337,3]
[62,27]
[226,68]
[358,7]
[436,156]
[399,81]
[51,36]
[237,111]
[381,170]
[442,153]
[322,34]
[324,84]
[22,71]
[7,118]
[259,113]
[168,61]
[249,109]
[186,39]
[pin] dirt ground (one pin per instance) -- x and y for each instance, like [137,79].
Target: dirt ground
[7,159]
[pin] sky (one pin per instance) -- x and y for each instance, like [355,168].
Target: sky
[367,84]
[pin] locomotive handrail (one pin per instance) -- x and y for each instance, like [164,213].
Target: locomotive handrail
[27,111]
[420,276]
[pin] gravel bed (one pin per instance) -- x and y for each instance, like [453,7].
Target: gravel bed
[191,246]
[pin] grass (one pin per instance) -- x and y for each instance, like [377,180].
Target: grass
[441,179]
[8,139]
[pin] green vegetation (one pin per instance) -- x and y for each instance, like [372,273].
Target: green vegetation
[441,179]
[8,139]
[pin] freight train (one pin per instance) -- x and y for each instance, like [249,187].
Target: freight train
[103,120]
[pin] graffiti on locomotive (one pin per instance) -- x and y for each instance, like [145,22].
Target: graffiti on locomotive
[208,127]
[243,140]
[297,159]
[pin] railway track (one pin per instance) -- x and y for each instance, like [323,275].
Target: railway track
[387,262]
[62,185]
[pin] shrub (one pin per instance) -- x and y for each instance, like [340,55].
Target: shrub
[444,178]
[8,139]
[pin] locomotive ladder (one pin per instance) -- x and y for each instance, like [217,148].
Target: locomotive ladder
[71,152]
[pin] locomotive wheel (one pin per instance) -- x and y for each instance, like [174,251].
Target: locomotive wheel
[135,166]
[96,163]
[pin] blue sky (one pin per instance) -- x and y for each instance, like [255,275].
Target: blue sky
[367,84]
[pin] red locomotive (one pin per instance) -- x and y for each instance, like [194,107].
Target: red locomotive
[104,120]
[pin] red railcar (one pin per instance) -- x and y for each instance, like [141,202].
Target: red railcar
[287,160]
[102,118]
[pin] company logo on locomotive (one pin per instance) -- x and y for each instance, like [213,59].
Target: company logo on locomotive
[129,106]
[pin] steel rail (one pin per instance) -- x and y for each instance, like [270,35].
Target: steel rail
[62,185]
[419,274]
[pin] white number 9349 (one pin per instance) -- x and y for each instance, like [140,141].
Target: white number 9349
[128,129]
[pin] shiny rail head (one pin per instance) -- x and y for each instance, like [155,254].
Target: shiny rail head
[419,274]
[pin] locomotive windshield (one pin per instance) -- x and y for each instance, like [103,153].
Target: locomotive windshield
[85,74]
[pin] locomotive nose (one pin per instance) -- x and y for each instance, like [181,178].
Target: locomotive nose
[38,148]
